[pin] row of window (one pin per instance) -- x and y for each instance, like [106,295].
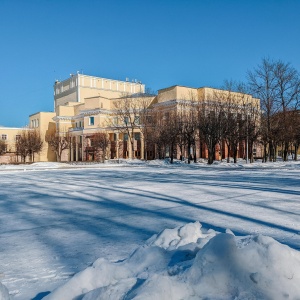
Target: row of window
[92,121]
[35,123]
[4,137]
[137,136]
[127,121]
[80,123]
[60,88]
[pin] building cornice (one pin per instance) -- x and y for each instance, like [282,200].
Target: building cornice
[62,118]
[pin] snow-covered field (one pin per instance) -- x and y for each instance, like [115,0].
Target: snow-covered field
[57,220]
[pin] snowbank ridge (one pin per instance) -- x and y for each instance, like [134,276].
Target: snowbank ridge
[189,262]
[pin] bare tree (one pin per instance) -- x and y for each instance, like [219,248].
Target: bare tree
[35,143]
[100,141]
[28,143]
[169,130]
[262,83]
[287,95]
[242,120]
[209,125]
[277,84]
[22,146]
[188,126]
[229,118]
[126,118]
[58,142]
[3,147]
[296,121]
[145,119]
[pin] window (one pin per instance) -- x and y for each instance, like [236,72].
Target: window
[92,121]
[4,137]
[137,136]
[137,120]
[115,121]
[18,136]
[126,120]
[125,137]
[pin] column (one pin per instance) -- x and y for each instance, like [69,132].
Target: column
[76,149]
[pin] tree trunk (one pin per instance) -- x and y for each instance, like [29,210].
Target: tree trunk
[189,152]
[265,153]
[285,151]
[211,153]
[201,149]
[235,154]
[296,152]
[228,154]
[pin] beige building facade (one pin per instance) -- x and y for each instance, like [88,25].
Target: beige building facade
[43,123]
[84,106]
[87,105]
[9,136]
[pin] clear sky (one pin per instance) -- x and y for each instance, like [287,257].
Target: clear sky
[160,42]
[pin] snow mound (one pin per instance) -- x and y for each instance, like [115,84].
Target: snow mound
[190,263]
[4,293]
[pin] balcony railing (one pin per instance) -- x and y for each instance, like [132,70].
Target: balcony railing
[76,129]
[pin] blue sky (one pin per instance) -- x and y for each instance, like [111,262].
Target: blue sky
[161,43]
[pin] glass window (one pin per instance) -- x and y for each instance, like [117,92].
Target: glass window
[137,136]
[4,137]
[137,120]
[92,121]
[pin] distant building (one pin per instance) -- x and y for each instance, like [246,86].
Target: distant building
[43,123]
[9,136]
[86,105]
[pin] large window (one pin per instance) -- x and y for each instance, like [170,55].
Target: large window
[4,137]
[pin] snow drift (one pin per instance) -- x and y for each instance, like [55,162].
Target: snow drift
[4,292]
[189,262]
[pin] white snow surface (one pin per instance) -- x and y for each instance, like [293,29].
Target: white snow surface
[186,263]
[236,236]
